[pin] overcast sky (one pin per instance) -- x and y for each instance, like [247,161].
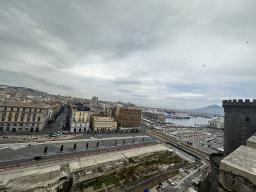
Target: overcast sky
[179,54]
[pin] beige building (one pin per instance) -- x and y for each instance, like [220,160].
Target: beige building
[22,117]
[94,100]
[80,121]
[54,109]
[217,123]
[103,123]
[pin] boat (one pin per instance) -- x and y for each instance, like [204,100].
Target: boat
[168,115]
[176,116]
[185,116]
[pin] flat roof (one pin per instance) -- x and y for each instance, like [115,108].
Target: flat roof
[24,104]
[252,139]
[241,162]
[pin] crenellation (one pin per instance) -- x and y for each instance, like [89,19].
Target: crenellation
[239,102]
[240,123]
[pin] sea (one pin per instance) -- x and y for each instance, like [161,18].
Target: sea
[193,121]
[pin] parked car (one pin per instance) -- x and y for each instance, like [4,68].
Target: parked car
[161,185]
[187,171]
[37,158]
[169,181]
[173,184]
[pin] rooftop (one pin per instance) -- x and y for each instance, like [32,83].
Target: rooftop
[103,118]
[24,104]
[242,162]
[251,142]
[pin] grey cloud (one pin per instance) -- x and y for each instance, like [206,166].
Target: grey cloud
[126,82]
[163,42]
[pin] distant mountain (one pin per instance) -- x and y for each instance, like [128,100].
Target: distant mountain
[212,109]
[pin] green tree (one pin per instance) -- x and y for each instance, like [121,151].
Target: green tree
[61,148]
[45,149]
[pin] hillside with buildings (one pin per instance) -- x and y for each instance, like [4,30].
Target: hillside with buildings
[211,110]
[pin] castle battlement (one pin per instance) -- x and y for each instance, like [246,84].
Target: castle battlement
[246,102]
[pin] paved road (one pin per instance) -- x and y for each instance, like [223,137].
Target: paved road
[57,124]
[14,153]
[184,183]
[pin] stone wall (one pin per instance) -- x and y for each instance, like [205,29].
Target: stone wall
[235,182]
[154,181]
[239,123]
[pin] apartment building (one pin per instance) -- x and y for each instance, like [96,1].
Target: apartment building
[154,115]
[127,117]
[94,100]
[103,123]
[22,116]
[217,123]
[80,120]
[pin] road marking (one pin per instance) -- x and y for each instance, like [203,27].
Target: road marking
[14,147]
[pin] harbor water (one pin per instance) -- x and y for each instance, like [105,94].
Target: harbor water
[193,121]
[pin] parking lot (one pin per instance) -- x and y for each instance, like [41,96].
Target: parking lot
[204,139]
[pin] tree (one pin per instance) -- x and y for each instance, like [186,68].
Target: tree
[45,149]
[61,148]
[74,146]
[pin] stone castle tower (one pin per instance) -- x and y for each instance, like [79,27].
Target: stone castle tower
[239,123]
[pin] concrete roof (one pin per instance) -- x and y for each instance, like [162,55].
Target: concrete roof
[241,162]
[109,119]
[25,104]
[104,158]
[190,190]
[251,142]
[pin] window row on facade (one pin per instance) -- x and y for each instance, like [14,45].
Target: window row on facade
[21,109]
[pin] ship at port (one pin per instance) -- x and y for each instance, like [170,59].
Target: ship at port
[185,116]
[176,116]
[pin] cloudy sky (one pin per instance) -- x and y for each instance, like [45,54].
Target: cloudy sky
[178,54]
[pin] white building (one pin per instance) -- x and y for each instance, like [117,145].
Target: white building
[217,123]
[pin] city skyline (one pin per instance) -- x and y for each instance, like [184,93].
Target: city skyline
[160,54]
